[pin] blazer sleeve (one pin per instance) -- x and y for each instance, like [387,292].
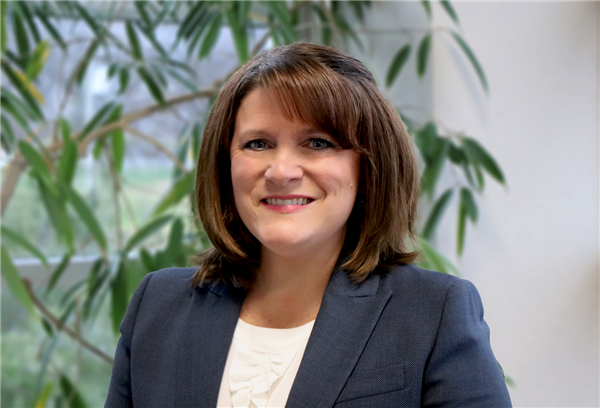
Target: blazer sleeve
[462,370]
[119,391]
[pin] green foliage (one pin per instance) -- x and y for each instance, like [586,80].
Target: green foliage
[125,249]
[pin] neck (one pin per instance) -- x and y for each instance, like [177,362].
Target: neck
[289,288]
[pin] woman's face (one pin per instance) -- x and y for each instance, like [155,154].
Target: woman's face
[294,186]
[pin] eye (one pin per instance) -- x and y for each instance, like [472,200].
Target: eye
[257,144]
[320,144]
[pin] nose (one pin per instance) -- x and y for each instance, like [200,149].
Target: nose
[284,168]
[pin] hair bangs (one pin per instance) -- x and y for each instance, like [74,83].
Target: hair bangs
[317,95]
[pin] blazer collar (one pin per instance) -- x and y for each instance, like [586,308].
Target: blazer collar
[346,319]
[212,315]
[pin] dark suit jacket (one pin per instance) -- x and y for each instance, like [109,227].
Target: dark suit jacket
[409,338]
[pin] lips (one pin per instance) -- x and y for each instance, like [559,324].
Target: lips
[287,200]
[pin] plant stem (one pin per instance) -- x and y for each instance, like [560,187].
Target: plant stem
[56,322]
[158,145]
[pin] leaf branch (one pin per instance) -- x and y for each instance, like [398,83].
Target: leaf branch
[158,145]
[70,332]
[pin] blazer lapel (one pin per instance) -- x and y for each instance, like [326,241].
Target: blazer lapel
[347,316]
[204,345]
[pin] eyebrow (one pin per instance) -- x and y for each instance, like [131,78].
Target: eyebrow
[265,133]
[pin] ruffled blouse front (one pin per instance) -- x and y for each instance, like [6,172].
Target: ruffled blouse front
[262,364]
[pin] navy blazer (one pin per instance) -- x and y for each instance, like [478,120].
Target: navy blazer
[408,338]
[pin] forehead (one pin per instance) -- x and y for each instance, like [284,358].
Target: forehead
[262,109]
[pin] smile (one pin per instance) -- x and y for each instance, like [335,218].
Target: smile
[293,201]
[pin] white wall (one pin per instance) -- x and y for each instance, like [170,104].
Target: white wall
[534,256]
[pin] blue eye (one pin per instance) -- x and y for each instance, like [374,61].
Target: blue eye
[256,145]
[320,144]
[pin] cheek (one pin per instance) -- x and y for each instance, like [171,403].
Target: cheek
[241,173]
[341,176]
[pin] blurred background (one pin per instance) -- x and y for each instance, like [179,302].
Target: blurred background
[102,110]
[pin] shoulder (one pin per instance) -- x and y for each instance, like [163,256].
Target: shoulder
[171,277]
[430,294]
[408,277]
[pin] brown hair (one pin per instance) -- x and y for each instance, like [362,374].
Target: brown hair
[336,93]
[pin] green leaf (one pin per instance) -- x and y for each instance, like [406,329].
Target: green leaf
[146,231]
[282,13]
[473,60]
[197,139]
[117,143]
[29,20]
[20,240]
[434,168]
[461,228]
[117,139]
[238,29]
[18,109]
[192,20]
[44,396]
[71,393]
[326,32]
[423,54]
[134,41]
[211,36]
[346,28]
[35,159]
[8,130]
[89,20]
[157,72]
[151,84]
[123,80]
[182,188]
[141,8]
[19,29]
[68,162]
[55,206]
[397,63]
[182,80]
[436,260]
[98,118]
[27,91]
[157,45]
[174,243]
[427,6]
[37,60]
[15,283]
[183,140]
[450,10]
[481,155]
[65,129]
[3,37]
[113,67]
[54,33]
[119,298]
[474,163]
[59,270]
[457,155]
[436,214]
[147,260]
[87,216]
[425,140]
[466,197]
[81,67]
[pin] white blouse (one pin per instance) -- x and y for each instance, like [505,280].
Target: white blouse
[262,365]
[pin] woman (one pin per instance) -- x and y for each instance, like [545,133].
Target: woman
[307,186]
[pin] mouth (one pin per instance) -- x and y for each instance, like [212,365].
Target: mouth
[287,201]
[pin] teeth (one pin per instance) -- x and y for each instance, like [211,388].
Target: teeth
[294,201]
